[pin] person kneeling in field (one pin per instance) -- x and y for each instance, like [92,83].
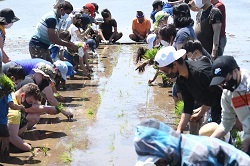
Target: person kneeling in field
[77,58]
[28,96]
[43,77]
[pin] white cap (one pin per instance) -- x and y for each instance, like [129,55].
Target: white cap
[62,67]
[168,55]
[147,160]
[150,40]
[99,18]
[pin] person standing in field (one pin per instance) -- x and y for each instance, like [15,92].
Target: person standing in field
[7,18]
[223,39]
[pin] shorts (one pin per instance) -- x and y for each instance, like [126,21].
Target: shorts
[38,52]
[4,131]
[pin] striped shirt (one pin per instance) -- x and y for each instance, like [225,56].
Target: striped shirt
[49,20]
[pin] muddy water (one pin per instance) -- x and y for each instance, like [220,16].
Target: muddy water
[106,110]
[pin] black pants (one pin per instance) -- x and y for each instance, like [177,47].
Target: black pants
[216,113]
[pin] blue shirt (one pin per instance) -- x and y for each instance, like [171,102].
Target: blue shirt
[167,8]
[4,107]
[29,64]
[183,34]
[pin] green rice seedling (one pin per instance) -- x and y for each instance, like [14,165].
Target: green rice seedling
[44,150]
[6,85]
[121,114]
[66,157]
[178,108]
[90,111]
[112,146]
[150,54]
[237,142]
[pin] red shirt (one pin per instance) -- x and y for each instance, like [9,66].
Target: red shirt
[222,9]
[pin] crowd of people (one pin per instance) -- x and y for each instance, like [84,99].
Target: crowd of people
[63,41]
[206,81]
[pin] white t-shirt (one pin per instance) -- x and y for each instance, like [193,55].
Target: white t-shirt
[72,30]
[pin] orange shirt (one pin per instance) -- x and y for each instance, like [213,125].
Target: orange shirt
[143,28]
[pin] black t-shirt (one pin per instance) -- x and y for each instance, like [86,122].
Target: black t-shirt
[107,28]
[203,28]
[29,79]
[196,87]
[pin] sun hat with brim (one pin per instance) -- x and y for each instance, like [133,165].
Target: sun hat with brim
[159,15]
[46,70]
[208,129]
[62,67]
[146,160]
[168,55]
[99,18]
[7,16]
[41,72]
[150,40]
[221,67]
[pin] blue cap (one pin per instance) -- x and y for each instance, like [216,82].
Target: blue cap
[92,44]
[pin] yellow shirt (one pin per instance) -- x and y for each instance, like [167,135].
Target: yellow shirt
[14,116]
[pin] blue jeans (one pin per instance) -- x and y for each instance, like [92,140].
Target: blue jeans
[222,44]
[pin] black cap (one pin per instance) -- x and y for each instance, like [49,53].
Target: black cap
[181,10]
[221,67]
[7,16]
[96,7]
[156,3]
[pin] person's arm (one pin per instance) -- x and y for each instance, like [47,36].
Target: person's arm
[16,140]
[183,122]
[228,117]
[56,40]
[50,95]
[16,107]
[188,106]
[155,76]
[39,109]
[5,57]
[148,28]
[141,68]
[137,34]
[216,39]
[113,34]
[199,112]
[175,2]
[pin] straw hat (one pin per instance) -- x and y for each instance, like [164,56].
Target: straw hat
[208,129]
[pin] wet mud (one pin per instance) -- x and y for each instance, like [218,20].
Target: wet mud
[106,110]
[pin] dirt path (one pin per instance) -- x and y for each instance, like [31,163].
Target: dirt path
[106,110]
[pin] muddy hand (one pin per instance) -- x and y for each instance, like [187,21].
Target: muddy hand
[150,81]
[141,68]
[69,115]
[195,117]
